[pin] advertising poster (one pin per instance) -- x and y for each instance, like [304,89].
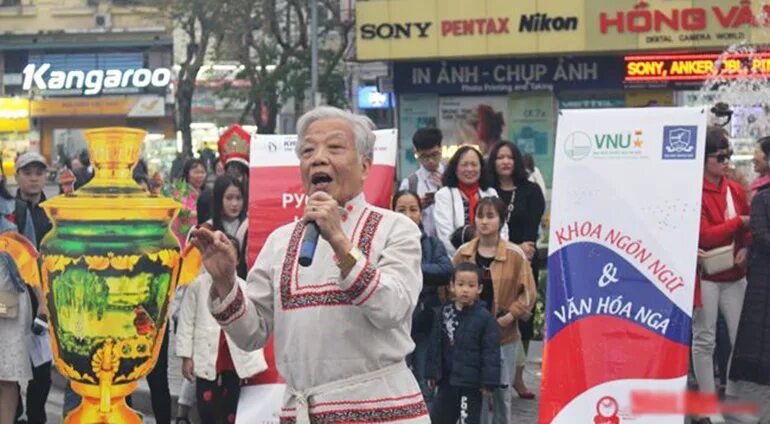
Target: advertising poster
[415,111]
[622,259]
[531,125]
[458,117]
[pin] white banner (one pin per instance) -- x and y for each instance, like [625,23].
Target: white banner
[622,257]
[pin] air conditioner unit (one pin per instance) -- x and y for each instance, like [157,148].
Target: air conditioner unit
[103,20]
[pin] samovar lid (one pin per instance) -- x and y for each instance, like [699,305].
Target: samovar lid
[112,193]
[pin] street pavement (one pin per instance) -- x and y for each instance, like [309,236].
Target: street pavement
[524,411]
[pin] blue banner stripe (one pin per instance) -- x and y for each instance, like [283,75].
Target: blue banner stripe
[588,279]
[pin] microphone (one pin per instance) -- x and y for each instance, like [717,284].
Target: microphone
[309,243]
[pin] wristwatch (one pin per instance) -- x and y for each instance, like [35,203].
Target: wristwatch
[346,263]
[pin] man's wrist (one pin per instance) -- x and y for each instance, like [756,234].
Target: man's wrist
[341,245]
[222,287]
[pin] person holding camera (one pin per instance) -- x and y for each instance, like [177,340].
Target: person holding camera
[427,179]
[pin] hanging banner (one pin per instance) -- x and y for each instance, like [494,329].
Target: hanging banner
[622,258]
[276,197]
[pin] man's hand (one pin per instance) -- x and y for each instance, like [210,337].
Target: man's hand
[188,369]
[324,210]
[487,393]
[431,384]
[529,249]
[219,258]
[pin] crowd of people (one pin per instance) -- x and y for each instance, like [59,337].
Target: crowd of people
[477,219]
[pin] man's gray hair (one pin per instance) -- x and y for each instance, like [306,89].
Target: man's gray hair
[361,125]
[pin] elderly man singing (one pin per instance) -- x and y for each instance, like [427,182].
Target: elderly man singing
[342,325]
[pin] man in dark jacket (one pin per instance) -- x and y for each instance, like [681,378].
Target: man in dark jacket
[464,351]
[34,224]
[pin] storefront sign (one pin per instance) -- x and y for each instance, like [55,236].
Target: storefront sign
[405,29]
[506,76]
[370,98]
[621,273]
[695,68]
[94,81]
[130,106]
[14,115]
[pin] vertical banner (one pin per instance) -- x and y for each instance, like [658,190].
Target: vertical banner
[622,258]
[276,197]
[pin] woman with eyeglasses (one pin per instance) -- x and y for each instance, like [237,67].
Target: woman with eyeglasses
[724,238]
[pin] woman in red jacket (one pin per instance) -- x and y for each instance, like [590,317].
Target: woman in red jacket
[724,222]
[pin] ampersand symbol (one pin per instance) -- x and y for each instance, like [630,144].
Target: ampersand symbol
[608,275]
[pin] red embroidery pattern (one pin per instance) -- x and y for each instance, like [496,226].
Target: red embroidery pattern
[367,232]
[374,415]
[233,311]
[333,296]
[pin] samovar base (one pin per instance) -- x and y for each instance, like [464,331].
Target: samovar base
[90,411]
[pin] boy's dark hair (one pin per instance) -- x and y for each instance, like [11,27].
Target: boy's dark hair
[427,138]
[467,267]
[495,203]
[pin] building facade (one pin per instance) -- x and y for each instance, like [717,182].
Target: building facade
[526,60]
[80,64]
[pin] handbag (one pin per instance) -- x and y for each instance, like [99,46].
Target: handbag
[9,304]
[721,258]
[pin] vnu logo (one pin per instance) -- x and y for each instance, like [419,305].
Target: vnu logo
[577,145]
[679,141]
[619,141]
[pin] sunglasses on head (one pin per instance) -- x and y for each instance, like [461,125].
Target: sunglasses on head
[721,157]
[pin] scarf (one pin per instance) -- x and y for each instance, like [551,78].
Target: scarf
[758,183]
[472,193]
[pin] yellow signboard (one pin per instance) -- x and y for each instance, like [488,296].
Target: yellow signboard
[131,106]
[408,29]
[14,115]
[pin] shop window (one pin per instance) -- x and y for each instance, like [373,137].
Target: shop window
[8,3]
[15,61]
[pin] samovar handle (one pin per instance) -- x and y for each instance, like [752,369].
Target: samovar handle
[24,254]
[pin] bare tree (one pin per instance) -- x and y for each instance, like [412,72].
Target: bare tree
[275,53]
[203,26]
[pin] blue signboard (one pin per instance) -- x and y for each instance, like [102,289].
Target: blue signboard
[502,76]
[370,98]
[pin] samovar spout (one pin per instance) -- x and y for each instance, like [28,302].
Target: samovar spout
[105,365]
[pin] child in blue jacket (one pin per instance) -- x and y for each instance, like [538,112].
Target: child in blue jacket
[464,351]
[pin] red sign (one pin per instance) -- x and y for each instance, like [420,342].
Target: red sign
[641,19]
[696,67]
